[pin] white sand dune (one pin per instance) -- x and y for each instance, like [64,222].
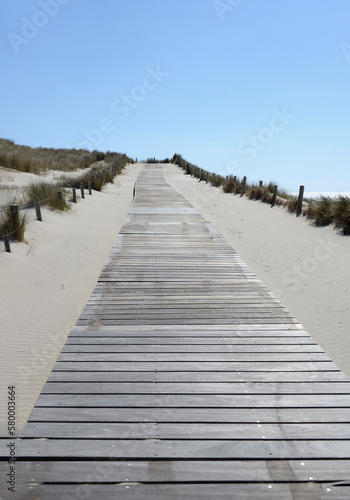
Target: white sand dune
[46,282]
[13,182]
[306,267]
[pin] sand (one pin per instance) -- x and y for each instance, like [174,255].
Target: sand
[46,282]
[12,182]
[306,267]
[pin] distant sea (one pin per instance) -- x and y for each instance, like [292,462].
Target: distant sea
[331,194]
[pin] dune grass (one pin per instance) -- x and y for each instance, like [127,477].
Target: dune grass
[37,160]
[341,211]
[229,184]
[325,211]
[320,211]
[15,226]
[100,173]
[104,168]
[48,195]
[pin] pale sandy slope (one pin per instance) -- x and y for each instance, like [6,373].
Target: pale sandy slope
[46,282]
[13,183]
[308,268]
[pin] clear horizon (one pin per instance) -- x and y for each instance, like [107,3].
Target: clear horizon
[238,87]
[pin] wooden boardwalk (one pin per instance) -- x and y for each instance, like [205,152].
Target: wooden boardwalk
[186,378]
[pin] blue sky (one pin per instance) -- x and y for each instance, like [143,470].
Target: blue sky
[248,87]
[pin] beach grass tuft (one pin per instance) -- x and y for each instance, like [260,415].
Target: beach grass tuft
[341,212]
[48,195]
[15,226]
[321,211]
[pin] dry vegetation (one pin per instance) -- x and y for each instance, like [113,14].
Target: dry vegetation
[103,168]
[37,160]
[321,212]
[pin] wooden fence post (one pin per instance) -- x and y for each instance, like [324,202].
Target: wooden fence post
[261,183]
[37,209]
[274,196]
[89,187]
[234,180]
[60,196]
[207,177]
[6,241]
[243,185]
[74,195]
[300,201]
[14,215]
[15,219]
[82,190]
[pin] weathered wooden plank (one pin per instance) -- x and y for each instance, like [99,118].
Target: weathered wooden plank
[183,471]
[172,490]
[182,449]
[192,348]
[229,331]
[311,378]
[247,342]
[156,387]
[196,400]
[195,356]
[235,366]
[195,431]
[200,415]
[182,321]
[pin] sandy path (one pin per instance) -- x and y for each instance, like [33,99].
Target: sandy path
[308,268]
[46,283]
